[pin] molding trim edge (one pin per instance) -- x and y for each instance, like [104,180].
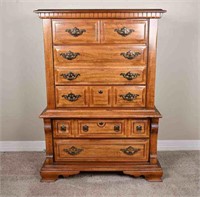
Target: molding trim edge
[163,145]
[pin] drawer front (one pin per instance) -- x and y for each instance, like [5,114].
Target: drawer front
[124,31]
[72,96]
[129,96]
[111,54]
[101,150]
[139,128]
[63,128]
[99,75]
[100,96]
[75,31]
[101,128]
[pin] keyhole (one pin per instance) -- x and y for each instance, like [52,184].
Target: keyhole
[100,92]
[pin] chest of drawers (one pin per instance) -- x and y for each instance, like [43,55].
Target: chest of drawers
[100,78]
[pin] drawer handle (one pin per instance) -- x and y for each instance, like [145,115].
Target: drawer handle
[129,96]
[85,128]
[71,97]
[130,54]
[69,55]
[75,31]
[124,31]
[116,128]
[101,124]
[63,128]
[129,75]
[70,76]
[73,150]
[130,150]
[139,128]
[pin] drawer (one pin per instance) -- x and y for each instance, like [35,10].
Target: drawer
[101,150]
[63,128]
[101,128]
[100,96]
[127,55]
[139,128]
[72,96]
[129,96]
[100,75]
[124,31]
[75,31]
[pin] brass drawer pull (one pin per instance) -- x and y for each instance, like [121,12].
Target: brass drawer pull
[71,97]
[116,128]
[129,96]
[70,76]
[124,31]
[139,128]
[63,128]
[130,54]
[75,31]
[69,55]
[73,150]
[129,75]
[101,124]
[130,150]
[85,128]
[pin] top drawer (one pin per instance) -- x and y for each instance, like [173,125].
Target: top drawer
[124,31]
[75,31]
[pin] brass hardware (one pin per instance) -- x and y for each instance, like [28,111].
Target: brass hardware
[139,128]
[63,128]
[85,128]
[129,75]
[116,128]
[100,91]
[70,76]
[129,96]
[73,150]
[71,97]
[130,54]
[124,31]
[101,124]
[75,31]
[69,55]
[130,150]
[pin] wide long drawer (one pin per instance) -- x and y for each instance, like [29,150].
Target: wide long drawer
[82,55]
[101,150]
[100,75]
[101,128]
[100,96]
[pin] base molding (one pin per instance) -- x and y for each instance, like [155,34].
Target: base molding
[52,172]
[163,145]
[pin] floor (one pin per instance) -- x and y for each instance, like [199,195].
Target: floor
[19,175]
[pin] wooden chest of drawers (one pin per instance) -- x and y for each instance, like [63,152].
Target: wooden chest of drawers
[100,77]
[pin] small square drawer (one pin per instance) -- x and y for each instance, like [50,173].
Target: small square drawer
[101,150]
[139,128]
[124,31]
[75,31]
[129,96]
[72,96]
[63,128]
[101,128]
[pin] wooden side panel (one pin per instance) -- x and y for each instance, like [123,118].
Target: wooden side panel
[151,73]
[101,150]
[49,63]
